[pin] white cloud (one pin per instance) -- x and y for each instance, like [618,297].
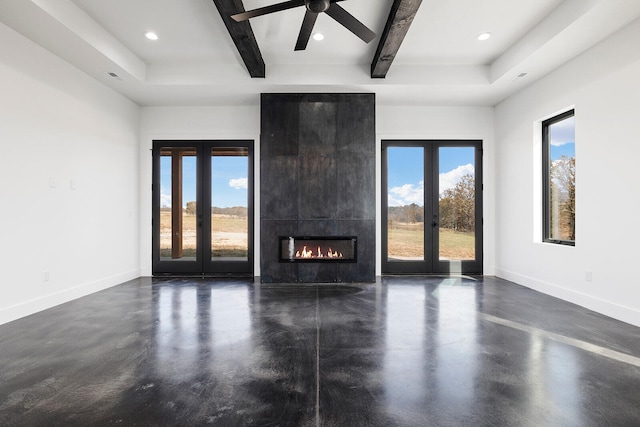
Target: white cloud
[407,194]
[165,200]
[562,132]
[239,183]
[451,178]
[411,193]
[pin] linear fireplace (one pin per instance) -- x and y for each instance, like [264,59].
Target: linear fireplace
[318,248]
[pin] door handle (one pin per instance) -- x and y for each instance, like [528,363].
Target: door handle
[434,224]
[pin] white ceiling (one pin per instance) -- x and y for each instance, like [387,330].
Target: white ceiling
[440,62]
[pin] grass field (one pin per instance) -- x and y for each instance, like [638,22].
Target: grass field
[406,241]
[229,235]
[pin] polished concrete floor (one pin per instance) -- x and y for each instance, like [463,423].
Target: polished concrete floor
[406,351]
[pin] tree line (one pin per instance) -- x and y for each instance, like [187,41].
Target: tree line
[238,211]
[457,208]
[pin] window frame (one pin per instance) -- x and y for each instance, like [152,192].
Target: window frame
[203,264]
[432,264]
[546,179]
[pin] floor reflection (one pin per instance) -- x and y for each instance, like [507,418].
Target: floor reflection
[177,331]
[456,350]
[230,316]
[563,366]
[404,361]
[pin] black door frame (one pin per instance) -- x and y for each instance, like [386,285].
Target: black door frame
[203,264]
[431,263]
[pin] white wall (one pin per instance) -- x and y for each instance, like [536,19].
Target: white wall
[184,123]
[443,123]
[604,86]
[60,127]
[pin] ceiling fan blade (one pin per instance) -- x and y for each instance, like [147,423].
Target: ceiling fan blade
[305,31]
[239,17]
[350,23]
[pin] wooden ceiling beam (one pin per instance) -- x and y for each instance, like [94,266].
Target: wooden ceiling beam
[400,19]
[242,35]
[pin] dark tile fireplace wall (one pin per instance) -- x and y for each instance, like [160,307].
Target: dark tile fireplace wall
[317,178]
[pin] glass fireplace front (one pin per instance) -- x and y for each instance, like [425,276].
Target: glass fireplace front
[318,249]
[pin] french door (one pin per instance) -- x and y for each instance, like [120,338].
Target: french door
[431,207]
[203,207]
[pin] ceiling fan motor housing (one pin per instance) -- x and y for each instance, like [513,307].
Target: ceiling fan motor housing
[317,6]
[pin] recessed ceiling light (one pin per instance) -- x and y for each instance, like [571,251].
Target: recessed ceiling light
[318,36]
[484,36]
[113,75]
[151,35]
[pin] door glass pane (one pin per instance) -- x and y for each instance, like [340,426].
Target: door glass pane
[229,203]
[405,169]
[178,203]
[456,173]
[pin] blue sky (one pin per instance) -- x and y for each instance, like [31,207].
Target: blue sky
[406,166]
[557,151]
[562,139]
[228,181]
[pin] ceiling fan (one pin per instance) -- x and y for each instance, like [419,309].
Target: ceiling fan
[314,8]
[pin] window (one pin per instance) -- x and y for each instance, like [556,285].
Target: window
[559,179]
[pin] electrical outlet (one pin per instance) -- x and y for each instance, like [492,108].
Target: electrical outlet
[52,182]
[588,276]
[45,276]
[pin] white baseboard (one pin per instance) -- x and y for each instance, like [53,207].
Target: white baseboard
[17,311]
[599,305]
[489,271]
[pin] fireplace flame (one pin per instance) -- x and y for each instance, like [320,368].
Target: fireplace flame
[307,253]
